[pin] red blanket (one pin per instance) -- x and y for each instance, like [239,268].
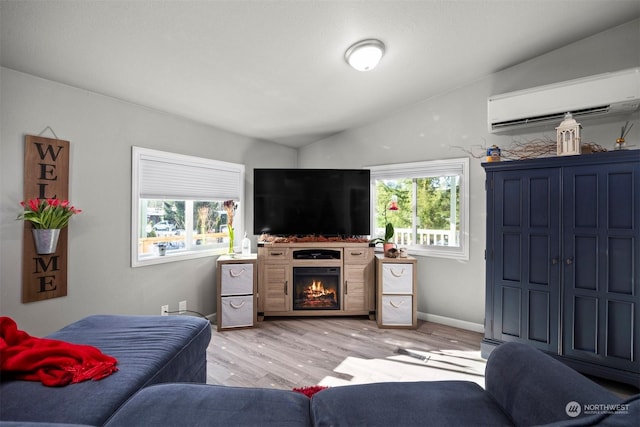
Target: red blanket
[55,363]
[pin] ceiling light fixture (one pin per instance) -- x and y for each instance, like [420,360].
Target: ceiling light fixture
[365,54]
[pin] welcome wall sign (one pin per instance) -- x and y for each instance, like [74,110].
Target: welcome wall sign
[46,176]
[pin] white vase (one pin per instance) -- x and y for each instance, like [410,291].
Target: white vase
[46,240]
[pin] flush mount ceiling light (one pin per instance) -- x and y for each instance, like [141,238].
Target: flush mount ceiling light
[365,54]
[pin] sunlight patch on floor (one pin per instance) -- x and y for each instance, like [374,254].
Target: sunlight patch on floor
[410,365]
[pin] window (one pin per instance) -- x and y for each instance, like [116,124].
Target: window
[178,207]
[427,204]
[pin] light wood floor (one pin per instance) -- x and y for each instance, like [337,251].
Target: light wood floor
[284,353]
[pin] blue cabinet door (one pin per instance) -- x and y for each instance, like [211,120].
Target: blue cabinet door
[601,267]
[523,256]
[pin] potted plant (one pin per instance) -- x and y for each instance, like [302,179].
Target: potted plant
[48,217]
[386,241]
[388,229]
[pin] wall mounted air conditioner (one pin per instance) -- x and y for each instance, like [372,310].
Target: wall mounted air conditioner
[595,96]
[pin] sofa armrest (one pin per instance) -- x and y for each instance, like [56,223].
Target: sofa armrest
[534,388]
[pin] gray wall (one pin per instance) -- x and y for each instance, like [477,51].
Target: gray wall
[101,131]
[450,291]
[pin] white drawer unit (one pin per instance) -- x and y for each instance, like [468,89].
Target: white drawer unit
[236,311]
[237,279]
[396,291]
[236,301]
[397,278]
[397,310]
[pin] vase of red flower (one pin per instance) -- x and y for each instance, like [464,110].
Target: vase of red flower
[230,207]
[48,217]
[46,240]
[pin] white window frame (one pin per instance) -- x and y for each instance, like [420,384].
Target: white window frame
[426,169]
[191,168]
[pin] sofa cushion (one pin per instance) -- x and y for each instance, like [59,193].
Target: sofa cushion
[149,350]
[535,388]
[437,403]
[190,405]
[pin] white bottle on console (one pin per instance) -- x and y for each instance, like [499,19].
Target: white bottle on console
[246,245]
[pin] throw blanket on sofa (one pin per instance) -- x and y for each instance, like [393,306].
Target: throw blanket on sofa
[53,362]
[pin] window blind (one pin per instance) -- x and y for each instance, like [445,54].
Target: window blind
[425,169]
[170,176]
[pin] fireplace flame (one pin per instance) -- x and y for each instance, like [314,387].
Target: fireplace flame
[316,289]
[315,293]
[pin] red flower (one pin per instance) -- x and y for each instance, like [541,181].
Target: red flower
[34,204]
[48,213]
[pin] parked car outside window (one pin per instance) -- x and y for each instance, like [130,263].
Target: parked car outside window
[164,226]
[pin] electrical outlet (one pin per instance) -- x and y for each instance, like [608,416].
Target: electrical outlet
[182,306]
[164,310]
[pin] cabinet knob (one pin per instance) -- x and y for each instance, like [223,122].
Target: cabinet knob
[554,261]
[569,261]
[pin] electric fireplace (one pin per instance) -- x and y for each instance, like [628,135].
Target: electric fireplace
[316,288]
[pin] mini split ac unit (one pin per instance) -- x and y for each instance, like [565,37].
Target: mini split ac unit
[595,96]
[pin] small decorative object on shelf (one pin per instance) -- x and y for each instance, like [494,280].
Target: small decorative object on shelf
[493,154]
[568,136]
[246,245]
[48,217]
[624,131]
[391,253]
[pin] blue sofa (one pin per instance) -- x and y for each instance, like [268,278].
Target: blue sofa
[524,387]
[150,350]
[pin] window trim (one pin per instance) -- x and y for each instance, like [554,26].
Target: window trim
[424,169]
[138,153]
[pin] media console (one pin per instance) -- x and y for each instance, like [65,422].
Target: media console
[316,279]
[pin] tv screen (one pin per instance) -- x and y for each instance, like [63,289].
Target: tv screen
[300,202]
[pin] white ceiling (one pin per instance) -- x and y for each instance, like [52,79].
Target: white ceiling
[275,70]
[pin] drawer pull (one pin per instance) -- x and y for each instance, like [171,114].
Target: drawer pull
[236,306]
[356,253]
[394,305]
[400,274]
[234,274]
[276,253]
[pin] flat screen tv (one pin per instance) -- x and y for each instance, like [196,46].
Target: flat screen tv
[301,202]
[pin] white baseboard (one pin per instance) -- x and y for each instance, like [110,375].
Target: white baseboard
[456,323]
